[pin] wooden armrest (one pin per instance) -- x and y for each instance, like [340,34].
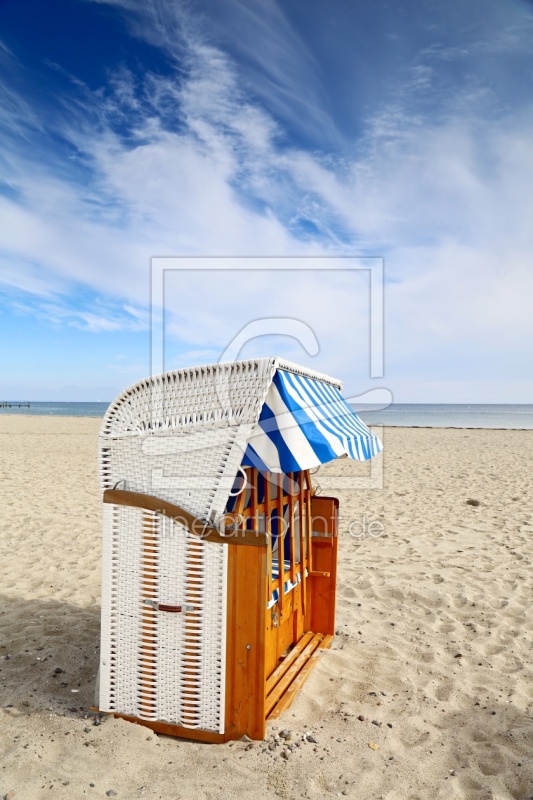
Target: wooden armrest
[194,525]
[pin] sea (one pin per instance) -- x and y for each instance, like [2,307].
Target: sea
[450,415]
[56,409]
[411,415]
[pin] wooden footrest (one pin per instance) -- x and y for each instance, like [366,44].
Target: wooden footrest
[289,677]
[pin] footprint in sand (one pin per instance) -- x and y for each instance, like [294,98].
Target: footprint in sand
[347,591]
[468,783]
[494,649]
[447,627]
[427,658]
[459,601]
[492,762]
[512,664]
[411,737]
[515,613]
[444,691]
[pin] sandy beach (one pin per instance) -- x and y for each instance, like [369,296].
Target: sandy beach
[427,691]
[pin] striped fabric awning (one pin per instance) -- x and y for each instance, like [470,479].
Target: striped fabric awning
[304,423]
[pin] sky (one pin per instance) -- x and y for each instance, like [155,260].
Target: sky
[276,154]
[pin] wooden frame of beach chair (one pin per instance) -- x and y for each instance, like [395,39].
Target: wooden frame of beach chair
[218,588]
[272,651]
[278,620]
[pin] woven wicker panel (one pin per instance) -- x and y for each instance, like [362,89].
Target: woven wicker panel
[157,665]
[194,398]
[181,436]
[191,681]
[121,617]
[194,470]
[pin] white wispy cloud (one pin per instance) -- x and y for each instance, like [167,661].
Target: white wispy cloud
[94,315]
[436,184]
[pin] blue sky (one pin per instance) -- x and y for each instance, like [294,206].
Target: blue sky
[134,129]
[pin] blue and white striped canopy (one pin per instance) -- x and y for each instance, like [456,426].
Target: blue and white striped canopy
[306,422]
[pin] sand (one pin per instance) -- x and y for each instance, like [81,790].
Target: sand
[434,620]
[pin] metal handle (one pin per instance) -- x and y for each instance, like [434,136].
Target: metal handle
[165,607]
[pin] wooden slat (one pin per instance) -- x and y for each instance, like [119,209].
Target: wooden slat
[279,632]
[287,698]
[231,632]
[194,525]
[285,478]
[168,729]
[280,671]
[273,480]
[241,497]
[271,638]
[298,619]
[282,685]
[253,497]
[308,520]
[297,616]
[292,532]
[268,527]
[324,574]
[245,643]
[281,544]
[304,549]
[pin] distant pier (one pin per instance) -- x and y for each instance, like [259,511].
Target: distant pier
[4,404]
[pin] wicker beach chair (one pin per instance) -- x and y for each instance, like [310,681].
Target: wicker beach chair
[219,559]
